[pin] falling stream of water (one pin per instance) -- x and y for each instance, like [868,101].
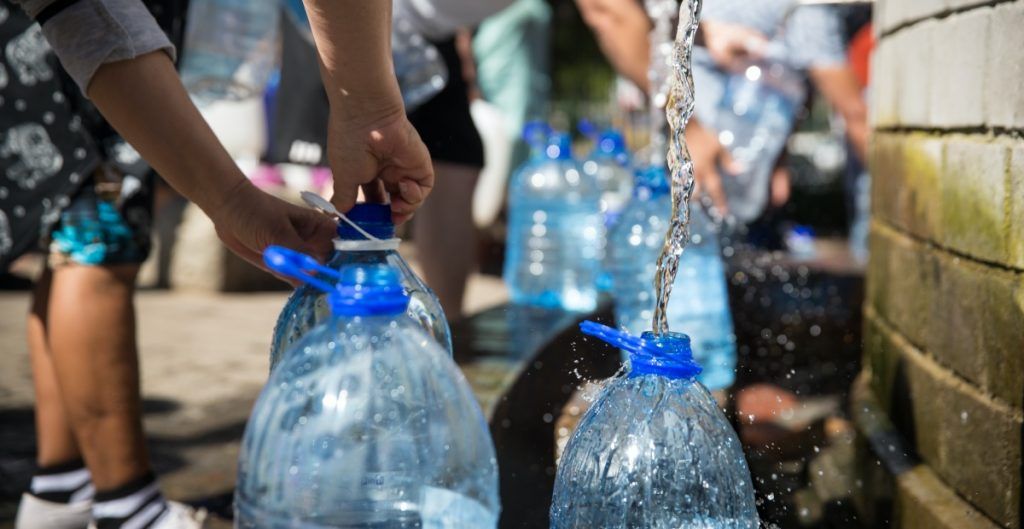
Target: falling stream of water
[678,109]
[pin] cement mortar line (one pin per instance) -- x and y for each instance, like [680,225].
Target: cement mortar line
[917,239]
[992,133]
[933,364]
[939,15]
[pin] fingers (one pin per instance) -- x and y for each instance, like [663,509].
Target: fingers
[375,193]
[345,195]
[711,182]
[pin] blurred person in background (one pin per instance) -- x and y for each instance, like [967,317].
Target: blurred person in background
[511,51]
[732,34]
[66,188]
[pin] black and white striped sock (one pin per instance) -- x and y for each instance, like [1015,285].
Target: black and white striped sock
[65,483]
[135,505]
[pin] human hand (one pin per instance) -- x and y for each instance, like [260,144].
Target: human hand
[732,45]
[383,155]
[708,156]
[248,220]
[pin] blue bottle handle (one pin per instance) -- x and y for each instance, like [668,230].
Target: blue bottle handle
[299,266]
[612,336]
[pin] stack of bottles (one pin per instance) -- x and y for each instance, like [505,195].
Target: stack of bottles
[654,451]
[556,233]
[366,238]
[366,422]
[699,303]
[610,165]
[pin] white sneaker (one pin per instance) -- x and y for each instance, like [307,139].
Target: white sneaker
[34,513]
[180,516]
[177,516]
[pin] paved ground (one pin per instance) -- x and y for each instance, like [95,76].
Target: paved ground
[204,359]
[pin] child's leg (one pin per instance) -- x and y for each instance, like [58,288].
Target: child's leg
[92,337]
[55,442]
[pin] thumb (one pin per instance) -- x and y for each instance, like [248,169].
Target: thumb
[311,233]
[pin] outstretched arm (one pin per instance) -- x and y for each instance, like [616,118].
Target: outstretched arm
[370,141]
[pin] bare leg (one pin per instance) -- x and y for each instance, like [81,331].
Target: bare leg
[56,443]
[445,235]
[92,337]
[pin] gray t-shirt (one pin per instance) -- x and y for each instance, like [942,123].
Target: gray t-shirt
[90,33]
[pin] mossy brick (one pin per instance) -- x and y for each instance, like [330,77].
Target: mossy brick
[923,501]
[974,195]
[906,296]
[1015,234]
[1004,74]
[978,322]
[972,441]
[881,357]
[885,160]
[919,200]
[958,50]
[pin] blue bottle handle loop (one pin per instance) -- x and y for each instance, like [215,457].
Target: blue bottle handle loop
[359,290]
[669,356]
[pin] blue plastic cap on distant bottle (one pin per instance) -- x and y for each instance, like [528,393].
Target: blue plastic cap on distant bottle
[611,144]
[668,355]
[375,219]
[653,180]
[559,147]
[368,290]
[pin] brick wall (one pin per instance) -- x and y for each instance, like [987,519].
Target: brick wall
[944,337]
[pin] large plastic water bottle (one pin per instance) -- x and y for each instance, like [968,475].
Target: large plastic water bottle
[308,306]
[366,423]
[699,305]
[420,69]
[230,48]
[755,117]
[609,165]
[555,240]
[654,451]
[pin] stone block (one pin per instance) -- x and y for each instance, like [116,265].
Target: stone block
[974,197]
[885,160]
[919,209]
[923,501]
[1015,234]
[915,72]
[972,441]
[1004,75]
[904,285]
[883,110]
[958,56]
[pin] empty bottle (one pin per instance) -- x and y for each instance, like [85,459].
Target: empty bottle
[699,304]
[755,117]
[308,306]
[230,48]
[420,69]
[555,240]
[654,451]
[366,423]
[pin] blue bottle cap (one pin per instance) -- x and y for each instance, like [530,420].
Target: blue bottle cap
[375,219]
[611,144]
[652,180]
[354,290]
[368,290]
[559,147]
[668,355]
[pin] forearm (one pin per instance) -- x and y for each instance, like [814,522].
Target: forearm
[840,87]
[145,102]
[364,82]
[622,30]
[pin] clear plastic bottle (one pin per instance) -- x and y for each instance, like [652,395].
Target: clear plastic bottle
[556,233]
[367,423]
[420,69]
[230,48]
[654,451]
[755,117]
[307,306]
[610,165]
[699,304]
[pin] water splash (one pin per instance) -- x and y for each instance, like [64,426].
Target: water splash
[678,109]
[659,75]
